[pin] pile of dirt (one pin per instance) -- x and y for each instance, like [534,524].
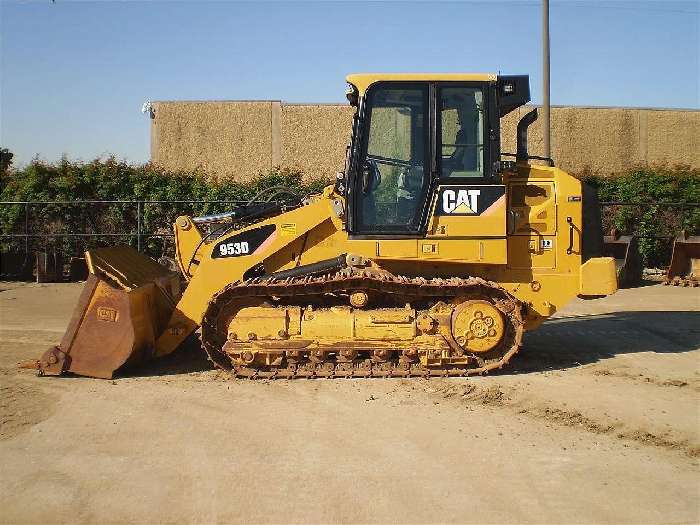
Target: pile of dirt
[22,405]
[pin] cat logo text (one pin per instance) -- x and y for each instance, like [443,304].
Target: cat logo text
[460,201]
[470,200]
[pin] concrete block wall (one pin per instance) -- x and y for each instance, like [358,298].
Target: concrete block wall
[227,139]
[315,137]
[239,139]
[605,141]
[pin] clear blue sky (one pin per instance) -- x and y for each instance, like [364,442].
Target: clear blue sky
[75,74]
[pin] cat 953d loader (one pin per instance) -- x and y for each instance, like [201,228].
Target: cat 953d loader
[430,255]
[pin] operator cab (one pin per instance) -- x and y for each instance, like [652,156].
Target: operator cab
[414,133]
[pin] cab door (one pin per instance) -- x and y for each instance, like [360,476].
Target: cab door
[393,179]
[468,219]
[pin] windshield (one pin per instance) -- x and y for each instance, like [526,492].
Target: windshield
[394,168]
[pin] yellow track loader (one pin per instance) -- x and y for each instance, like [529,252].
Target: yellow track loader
[430,255]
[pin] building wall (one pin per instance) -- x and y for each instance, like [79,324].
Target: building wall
[227,139]
[239,139]
[314,137]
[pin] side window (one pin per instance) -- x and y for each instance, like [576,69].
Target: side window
[393,175]
[461,132]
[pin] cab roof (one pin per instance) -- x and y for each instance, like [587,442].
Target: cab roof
[363,80]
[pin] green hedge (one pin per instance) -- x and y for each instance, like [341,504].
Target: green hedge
[109,179]
[655,223]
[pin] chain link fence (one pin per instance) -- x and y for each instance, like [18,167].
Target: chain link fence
[71,227]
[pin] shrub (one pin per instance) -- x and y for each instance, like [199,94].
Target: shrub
[652,189]
[656,216]
[112,180]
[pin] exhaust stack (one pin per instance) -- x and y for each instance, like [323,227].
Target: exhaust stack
[525,122]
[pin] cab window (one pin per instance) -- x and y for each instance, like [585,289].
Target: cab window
[461,133]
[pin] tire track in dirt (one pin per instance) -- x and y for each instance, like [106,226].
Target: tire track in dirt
[632,376]
[499,396]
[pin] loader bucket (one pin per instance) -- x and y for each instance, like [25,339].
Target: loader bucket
[125,305]
[684,269]
[628,262]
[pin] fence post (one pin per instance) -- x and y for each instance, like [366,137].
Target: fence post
[26,228]
[138,225]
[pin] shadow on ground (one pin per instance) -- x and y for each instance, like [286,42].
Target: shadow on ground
[187,359]
[574,341]
[558,344]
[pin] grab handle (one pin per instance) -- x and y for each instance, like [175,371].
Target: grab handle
[570,249]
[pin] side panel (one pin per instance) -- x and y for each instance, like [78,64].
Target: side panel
[545,246]
[534,207]
[468,211]
[475,251]
[534,251]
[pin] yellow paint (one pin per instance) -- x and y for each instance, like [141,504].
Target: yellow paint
[478,326]
[527,252]
[187,239]
[363,80]
[211,275]
[534,208]
[256,322]
[397,249]
[598,277]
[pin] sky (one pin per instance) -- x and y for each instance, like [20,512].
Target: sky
[74,75]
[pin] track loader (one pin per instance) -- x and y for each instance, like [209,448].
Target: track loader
[430,255]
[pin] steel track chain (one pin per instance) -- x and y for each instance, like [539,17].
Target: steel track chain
[346,281]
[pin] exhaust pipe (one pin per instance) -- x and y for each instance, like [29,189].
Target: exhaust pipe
[525,122]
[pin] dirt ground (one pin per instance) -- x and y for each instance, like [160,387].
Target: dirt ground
[598,420]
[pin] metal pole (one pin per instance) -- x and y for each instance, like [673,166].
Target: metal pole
[138,225]
[26,229]
[545,78]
